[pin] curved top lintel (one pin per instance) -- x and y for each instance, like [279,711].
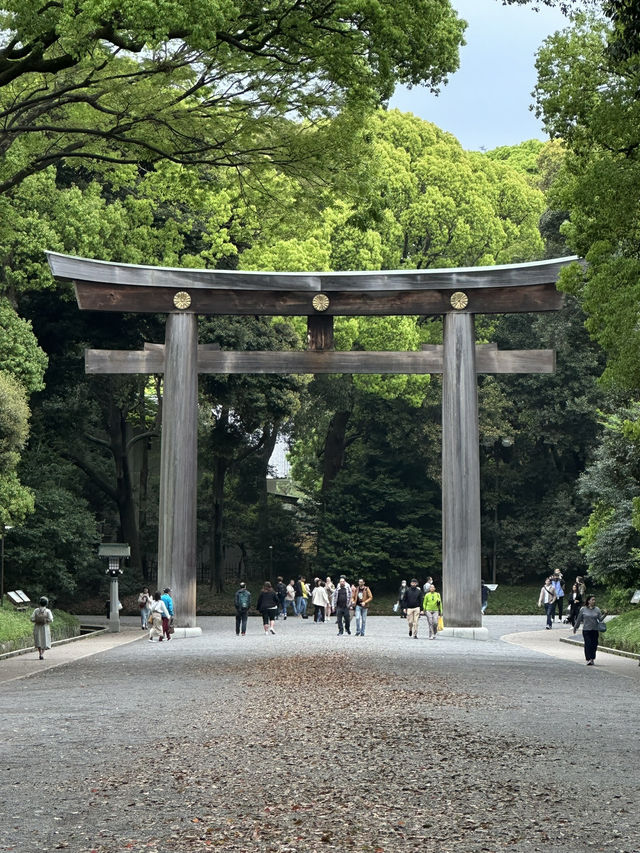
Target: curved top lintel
[72,268]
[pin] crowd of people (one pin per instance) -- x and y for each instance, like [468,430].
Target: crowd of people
[553,596]
[156,613]
[296,598]
[580,609]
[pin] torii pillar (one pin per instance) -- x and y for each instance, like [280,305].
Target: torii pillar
[461,545]
[178,466]
[182,294]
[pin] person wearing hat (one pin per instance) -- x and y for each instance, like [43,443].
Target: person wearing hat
[168,603]
[558,585]
[42,617]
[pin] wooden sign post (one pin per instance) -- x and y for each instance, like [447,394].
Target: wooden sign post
[457,294]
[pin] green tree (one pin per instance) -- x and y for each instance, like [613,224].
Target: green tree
[611,537]
[205,81]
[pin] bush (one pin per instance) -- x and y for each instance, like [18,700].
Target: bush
[16,628]
[623,632]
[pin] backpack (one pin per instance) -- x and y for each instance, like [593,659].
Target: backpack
[40,617]
[244,597]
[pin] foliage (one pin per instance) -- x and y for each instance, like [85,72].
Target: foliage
[20,354]
[205,81]
[623,632]
[540,435]
[380,518]
[56,552]
[611,538]
[16,627]
[16,501]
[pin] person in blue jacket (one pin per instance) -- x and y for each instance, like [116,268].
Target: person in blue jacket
[168,603]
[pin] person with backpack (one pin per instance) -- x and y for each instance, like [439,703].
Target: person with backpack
[42,617]
[145,601]
[242,601]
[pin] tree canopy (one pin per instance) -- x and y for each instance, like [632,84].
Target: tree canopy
[205,81]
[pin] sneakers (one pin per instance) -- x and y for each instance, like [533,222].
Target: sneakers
[590,663]
[271,631]
[410,632]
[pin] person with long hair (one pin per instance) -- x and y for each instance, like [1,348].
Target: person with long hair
[268,607]
[589,617]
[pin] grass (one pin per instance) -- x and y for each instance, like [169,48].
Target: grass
[623,632]
[16,628]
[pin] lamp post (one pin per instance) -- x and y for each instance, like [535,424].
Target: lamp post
[5,527]
[271,562]
[114,551]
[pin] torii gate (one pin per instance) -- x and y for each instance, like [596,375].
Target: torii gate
[182,294]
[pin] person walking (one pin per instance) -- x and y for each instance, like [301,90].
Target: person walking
[401,592]
[157,617]
[281,592]
[242,602]
[589,617]
[558,585]
[411,602]
[320,601]
[168,619]
[547,598]
[574,603]
[484,596]
[300,597]
[144,603]
[361,600]
[290,598]
[341,604]
[268,607]
[432,606]
[330,588]
[42,617]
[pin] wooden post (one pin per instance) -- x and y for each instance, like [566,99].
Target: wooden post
[461,566]
[178,467]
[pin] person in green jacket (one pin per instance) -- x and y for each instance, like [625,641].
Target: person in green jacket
[432,606]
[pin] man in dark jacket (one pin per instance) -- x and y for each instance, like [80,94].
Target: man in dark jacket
[242,601]
[411,602]
[341,604]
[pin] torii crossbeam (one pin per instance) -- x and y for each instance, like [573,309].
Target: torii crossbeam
[457,294]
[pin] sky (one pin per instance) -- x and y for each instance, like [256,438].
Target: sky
[486,102]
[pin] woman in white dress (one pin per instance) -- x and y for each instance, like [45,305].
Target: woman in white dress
[42,617]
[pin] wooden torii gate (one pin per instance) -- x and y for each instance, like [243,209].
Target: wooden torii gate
[182,294]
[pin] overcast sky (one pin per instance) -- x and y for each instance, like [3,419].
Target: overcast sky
[486,102]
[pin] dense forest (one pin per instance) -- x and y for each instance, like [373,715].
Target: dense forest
[146,140]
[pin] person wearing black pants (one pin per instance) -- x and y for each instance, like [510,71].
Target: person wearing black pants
[341,604]
[589,617]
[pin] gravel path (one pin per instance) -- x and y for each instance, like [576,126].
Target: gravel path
[306,741]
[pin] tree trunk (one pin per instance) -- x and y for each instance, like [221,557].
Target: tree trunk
[119,436]
[334,448]
[220,468]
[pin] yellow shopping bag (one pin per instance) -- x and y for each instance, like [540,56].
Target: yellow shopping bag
[440,623]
